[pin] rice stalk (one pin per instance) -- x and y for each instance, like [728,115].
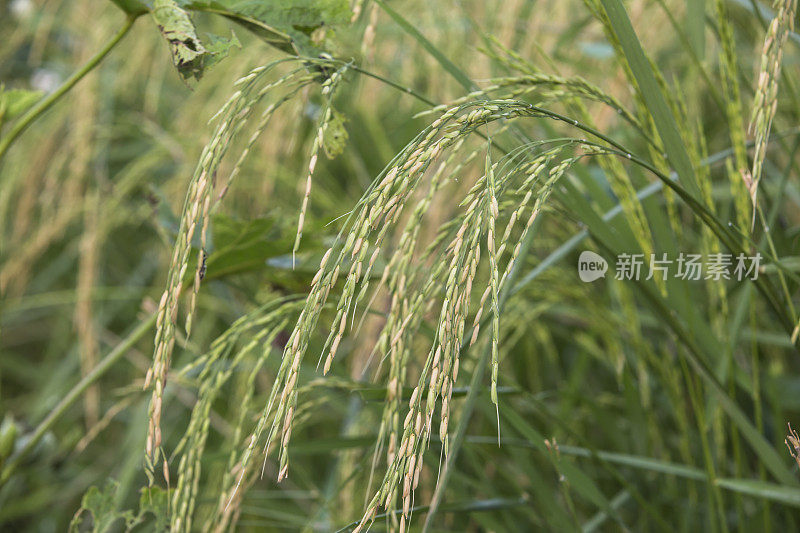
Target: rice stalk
[216,369]
[765,102]
[327,120]
[729,72]
[451,276]
[576,91]
[233,115]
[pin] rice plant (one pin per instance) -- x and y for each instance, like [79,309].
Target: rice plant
[324,265]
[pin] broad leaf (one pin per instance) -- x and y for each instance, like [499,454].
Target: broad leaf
[153,510]
[153,501]
[284,24]
[100,505]
[219,48]
[258,245]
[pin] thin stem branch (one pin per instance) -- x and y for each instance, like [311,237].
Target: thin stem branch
[45,103]
[75,393]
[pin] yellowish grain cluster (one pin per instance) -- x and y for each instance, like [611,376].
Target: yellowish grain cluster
[765,104]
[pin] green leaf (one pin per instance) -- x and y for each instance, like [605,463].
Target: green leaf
[579,481]
[244,245]
[131,7]
[229,231]
[255,245]
[653,97]
[448,65]
[302,15]
[100,505]
[696,25]
[750,487]
[461,507]
[219,48]
[154,501]
[14,102]
[188,53]
[763,489]
[334,138]
[284,24]
[8,436]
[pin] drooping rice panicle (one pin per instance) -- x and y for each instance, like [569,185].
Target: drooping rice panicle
[216,369]
[326,119]
[232,117]
[729,72]
[765,103]
[506,190]
[492,213]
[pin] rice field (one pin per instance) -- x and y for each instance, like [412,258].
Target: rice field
[372,265]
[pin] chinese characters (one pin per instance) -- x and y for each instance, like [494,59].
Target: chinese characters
[692,267]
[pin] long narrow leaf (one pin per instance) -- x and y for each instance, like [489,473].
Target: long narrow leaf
[653,97]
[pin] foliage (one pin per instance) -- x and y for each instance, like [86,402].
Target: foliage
[100,505]
[207,325]
[14,102]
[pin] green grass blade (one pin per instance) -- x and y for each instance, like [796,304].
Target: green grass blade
[651,92]
[695,26]
[409,28]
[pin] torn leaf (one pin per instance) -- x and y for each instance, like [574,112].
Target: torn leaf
[218,48]
[284,24]
[188,53]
